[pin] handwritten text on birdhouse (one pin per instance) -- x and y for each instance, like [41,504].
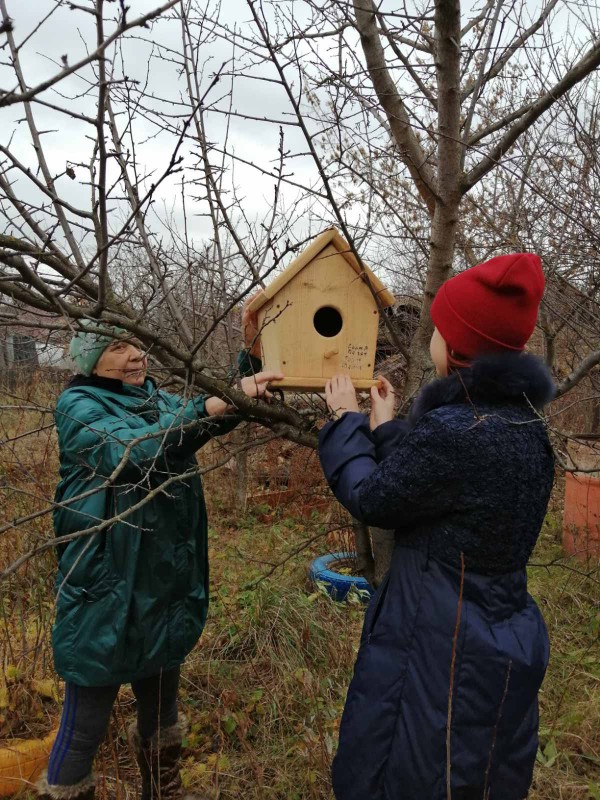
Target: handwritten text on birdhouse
[355,357]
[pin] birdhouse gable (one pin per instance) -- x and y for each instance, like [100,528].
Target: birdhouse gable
[314,251]
[319,317]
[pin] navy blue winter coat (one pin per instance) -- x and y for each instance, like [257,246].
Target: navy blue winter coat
[465,483]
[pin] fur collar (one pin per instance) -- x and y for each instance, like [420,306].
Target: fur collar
[498,379]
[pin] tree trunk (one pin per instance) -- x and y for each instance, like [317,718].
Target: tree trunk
[3,359]
[364,553]
[383,547]
[448,185]
[443,240]
[445,218]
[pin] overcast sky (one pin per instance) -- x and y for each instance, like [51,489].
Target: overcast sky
[147,59]
[65,140]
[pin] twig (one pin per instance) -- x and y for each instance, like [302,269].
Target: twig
[452,668]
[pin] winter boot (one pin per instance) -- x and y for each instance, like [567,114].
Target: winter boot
[84,790]
[158,759]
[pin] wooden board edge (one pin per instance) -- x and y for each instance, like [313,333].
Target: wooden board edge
[385,296]
[318,384]
[258,302]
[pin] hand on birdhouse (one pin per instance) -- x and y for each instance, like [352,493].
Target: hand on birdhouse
[383,403]
[256,385]
[340,395]
[250,327]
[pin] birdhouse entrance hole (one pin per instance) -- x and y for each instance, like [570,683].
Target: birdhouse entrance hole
[328,321]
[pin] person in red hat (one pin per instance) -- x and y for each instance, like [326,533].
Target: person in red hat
[443,702]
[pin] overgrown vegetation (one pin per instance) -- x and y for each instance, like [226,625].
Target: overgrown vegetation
[264,690]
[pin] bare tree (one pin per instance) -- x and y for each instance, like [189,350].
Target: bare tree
[206,151]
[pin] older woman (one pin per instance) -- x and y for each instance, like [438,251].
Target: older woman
[132,593]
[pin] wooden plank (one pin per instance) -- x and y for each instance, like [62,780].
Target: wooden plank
[318,384]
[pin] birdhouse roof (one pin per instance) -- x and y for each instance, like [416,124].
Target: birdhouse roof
[330,236]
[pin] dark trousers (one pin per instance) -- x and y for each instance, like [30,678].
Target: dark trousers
[85,718]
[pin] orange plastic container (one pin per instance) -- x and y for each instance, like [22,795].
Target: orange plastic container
[581,521]
[21,763]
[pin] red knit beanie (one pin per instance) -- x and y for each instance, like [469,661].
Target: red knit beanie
[490,307]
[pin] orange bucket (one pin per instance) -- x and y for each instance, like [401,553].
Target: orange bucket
[581,521]
[22,762]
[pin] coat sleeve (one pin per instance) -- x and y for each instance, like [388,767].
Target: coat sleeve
[215,426]
[388,436]
[412,485]
[194,410]
[248,364]
[89,434]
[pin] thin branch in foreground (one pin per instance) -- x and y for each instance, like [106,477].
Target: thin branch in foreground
[452,671]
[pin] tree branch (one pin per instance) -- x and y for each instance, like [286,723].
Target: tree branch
[589,62]
[9,98]
[584,368]
[411,152]
[499,65]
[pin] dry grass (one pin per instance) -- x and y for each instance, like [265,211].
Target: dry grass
[263,691]
[570,699]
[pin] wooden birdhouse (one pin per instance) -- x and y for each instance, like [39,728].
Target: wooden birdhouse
[319,317]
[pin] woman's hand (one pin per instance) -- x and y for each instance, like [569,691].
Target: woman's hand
[340,395]
[383,402]
[253,386]
[250,327]
[256,385]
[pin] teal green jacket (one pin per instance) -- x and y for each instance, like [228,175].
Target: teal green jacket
[132,597]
